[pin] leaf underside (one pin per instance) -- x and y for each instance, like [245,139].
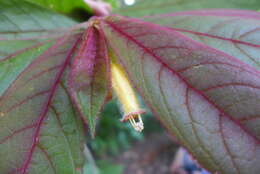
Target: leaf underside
[148,7]
[206,97]
[89,77]
[234,32]
[39,130]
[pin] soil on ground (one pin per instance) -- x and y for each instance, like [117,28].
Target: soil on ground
[153,155]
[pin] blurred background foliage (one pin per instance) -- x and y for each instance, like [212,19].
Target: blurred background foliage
[113,137]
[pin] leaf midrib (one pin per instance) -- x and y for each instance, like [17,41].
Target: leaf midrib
[46,107]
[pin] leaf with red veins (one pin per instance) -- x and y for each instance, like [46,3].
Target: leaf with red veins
[89,78]
[235,32]
[198,92]
[31,116]
[140,7]
[39,132]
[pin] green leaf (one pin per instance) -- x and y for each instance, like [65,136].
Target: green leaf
[63,6]
[205,97]
[107,167]
[148,7]
[90,77]
[40,132]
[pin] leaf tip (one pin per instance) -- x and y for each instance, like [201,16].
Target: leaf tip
[92,127]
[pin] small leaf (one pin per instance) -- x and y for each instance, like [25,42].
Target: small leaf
[89,77]
[207,98]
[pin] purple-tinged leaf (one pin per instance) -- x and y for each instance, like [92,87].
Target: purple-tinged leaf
[39,130]
[235,32]
[207,98]
[148,7]
[89,77]
[36,114]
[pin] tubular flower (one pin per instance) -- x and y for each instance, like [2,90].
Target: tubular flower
[127,98]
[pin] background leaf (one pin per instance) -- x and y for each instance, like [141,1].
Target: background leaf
[90,76]
[208,99]
[39,130]
[63,6]
[148,7]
